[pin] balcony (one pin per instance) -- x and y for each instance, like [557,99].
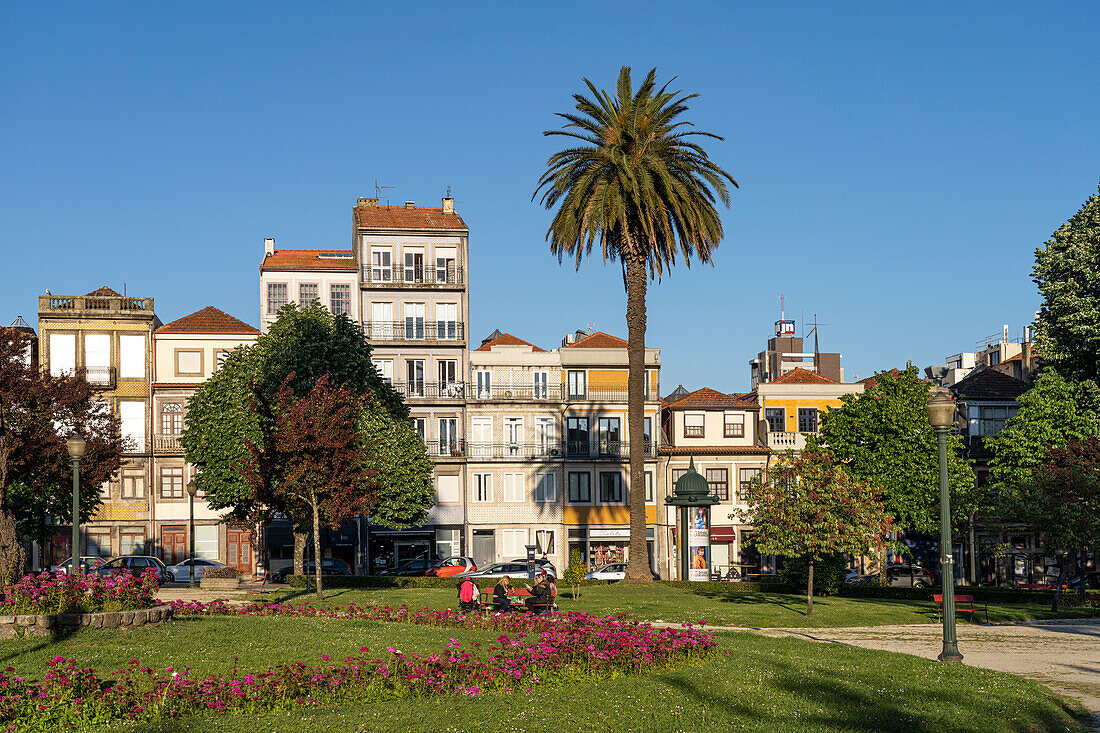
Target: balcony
[167,444]
[786,441]
[99,377]
[515,451]
[430,390]
[95,305]
[411,277]
[550,392]
[453,448]
[417,331]
[608,450]
[602,395]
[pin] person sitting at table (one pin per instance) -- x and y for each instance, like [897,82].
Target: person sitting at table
[501,602]
[540,595]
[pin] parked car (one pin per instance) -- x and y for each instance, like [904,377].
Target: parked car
[181,571]
[909,576]
[416,567]
[513,568]
[135,565]
[1085,581]
[87,563]
[453,565]
[611,571]
[329,566]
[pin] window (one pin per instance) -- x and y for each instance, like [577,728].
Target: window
[171,483]
[448,436]
[546,487]
[206,541]
[381,265]
[307,293]
[609,438]
[481,443]
[276,297]
[735,425]
[132,541]
[483,487]
[446,265]
[448,378]
[718,480]
[991,420]
[541,388]
[188,362]
[414,321]
[513,435]
[650,496]
[515,541]
[339,298]
[62,354]
[576,436]
[514,487]
[132,415]
[693,424]
[777,419]
[676,474]
[447,490]
[647,433]
[747,477]
[446,316]
[414,266]
[381,321]
[420,425]
[580,488]
[807,419]
[384,367]
[414,378]
[544,437]
[171,418]
[98,542]
[578,385]
[97,358]
[220,355]
[611,487]
[131,357]
[133,483]
[484,384]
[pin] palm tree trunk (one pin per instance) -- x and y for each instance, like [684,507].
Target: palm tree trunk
[637,567]
[810,590]
[316,545]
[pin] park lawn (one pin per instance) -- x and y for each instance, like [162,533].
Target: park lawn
[763,684]
[659,602]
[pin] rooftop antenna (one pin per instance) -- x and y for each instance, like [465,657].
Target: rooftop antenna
[449,192]
[782,311]
[591,327]
[378,191]
[817,350]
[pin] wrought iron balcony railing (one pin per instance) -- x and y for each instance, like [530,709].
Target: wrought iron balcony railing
[411,276]
[551,392]
[440,390]
[518,451]
[415,330]
[167,444]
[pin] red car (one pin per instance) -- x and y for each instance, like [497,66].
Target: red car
[449,566]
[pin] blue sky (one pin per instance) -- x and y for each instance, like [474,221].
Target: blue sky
[898,164]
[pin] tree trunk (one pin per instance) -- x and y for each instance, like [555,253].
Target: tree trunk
[300,539]
[637,567]
[1063,570]
[316,545]
[810,590]
[12,557]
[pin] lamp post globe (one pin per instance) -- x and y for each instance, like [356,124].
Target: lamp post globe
[76,446]
[941,415]
[192,489]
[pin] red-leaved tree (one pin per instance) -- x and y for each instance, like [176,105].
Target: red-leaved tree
[311,464]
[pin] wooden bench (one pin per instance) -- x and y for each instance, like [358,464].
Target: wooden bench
[963,603]
[523,593]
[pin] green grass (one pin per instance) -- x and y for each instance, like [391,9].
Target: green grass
[763,684]
[681,605]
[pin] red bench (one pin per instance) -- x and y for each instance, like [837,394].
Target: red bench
[543,607]
[963,603]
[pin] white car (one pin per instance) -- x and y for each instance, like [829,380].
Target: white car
[612,571]
[181,571]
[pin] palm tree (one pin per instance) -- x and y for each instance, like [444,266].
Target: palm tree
[639,184]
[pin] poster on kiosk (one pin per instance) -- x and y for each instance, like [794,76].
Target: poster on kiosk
[698,544]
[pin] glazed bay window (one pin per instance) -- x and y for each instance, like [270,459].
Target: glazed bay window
[693,424]
[747,477]
[611,487]
[339,299]
[807,419]
[307,293]
[734,425]
[718,479]
[276,297]
[171,482]
[580,487]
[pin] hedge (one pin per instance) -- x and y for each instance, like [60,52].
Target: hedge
[383,581]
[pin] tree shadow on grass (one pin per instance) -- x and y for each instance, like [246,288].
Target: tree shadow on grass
[755,599]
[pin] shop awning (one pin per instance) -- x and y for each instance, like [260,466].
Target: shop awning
[723,534]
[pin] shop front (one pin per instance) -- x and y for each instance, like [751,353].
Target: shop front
[599,546]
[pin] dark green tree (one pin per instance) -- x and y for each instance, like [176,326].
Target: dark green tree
[883,436]
[635,180]
[1067,271]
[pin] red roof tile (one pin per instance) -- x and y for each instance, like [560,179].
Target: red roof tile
[402,217]
[869,382]
[707,398]
[208,320]
[309,259]
[711,450]
[103,292]
[598,340]
[798,375]
[506,339]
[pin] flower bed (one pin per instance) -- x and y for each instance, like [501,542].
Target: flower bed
[47,593]
[530,650]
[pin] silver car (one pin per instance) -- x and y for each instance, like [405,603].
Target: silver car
[513,568]
[181,571]
[611,571]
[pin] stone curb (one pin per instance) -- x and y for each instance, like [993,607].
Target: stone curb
[58,624]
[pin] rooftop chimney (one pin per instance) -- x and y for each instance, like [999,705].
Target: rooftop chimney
[367,203]
[269,246]
[410,204]
[448,205]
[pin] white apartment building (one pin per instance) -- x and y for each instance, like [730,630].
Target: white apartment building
[304,275]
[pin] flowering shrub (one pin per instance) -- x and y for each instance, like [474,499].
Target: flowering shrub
[221,572]
[80,593]
[533,650]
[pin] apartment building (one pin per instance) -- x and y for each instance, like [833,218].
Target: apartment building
[721,434]
[305,275]
[785,353]
[792,405]
[107,337]
[412,271]
[187,352]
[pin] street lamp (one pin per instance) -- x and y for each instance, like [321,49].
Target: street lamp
[941,414]
[191,491]
[76,446]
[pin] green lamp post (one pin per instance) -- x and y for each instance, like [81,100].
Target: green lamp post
[76,446]
[692,497]
[941,414]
